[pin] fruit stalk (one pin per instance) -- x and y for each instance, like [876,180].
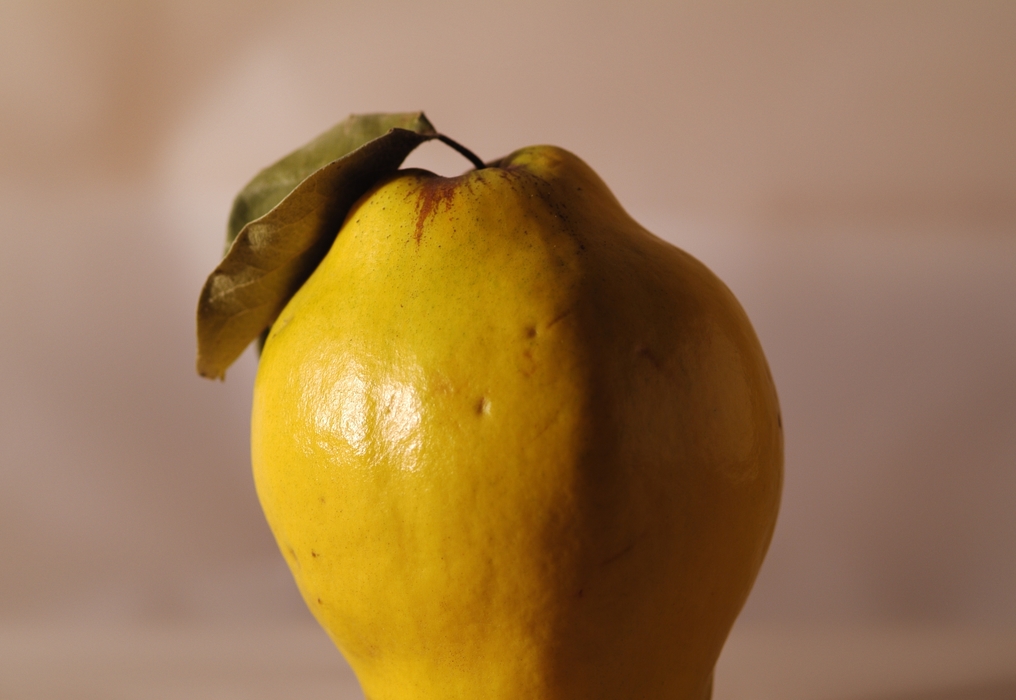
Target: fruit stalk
[472,157]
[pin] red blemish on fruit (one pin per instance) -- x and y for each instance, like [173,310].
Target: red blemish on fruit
[433,192]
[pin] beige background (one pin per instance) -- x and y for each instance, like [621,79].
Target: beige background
[849,169]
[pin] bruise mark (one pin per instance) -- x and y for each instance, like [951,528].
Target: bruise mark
[614,557]
[547,426]
[557,319]
[319,602]
[314,554]
[531,331]
[292,555]
[582,592]
[647,354]
[433,192]
[529,366]
[779,420]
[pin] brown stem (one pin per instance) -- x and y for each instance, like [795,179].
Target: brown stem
[472,157]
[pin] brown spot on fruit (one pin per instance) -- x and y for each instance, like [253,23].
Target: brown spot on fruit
[614,557]
[557,319]
[528,364]
[433,192]
[645,353]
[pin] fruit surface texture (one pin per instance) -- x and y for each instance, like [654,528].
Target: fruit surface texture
[512,445]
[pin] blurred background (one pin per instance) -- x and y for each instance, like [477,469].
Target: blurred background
[849,169]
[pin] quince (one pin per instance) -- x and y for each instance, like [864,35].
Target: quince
[512,445]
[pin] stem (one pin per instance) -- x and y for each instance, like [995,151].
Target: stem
[472,157]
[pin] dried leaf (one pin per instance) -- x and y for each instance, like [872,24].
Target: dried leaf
[300,203]
[272,184]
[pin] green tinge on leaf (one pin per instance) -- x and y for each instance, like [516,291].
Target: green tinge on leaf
[284,222]
[272,184]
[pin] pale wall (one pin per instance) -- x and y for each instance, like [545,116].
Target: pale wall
[849,169]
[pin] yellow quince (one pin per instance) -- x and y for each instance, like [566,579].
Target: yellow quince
[515,447]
